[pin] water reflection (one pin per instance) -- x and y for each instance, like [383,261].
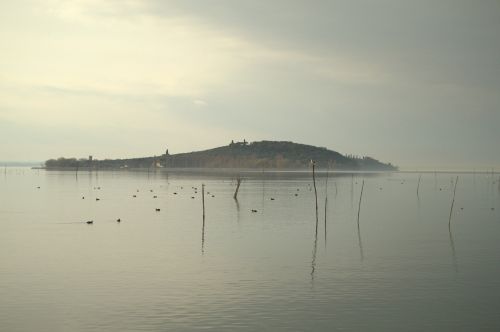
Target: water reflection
[238,215]
[360,244]
[258,271]
[203,236]
[453,252]
[314,251]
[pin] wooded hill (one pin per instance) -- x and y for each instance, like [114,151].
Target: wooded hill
[263,154]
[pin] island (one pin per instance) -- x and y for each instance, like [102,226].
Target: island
[252,155]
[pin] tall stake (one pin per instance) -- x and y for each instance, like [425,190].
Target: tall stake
[359,231]
[452,202]
[315,193]
[203,225]
[238,182]
[313,263]
[360,196]
[203,200]
[418,185]
[326,199]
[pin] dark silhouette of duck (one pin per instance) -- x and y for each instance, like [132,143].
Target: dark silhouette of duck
[272,198]
[118,220]
[90,222]
[155,196]
[157,210]
[134,195]
[97,199]
[253,210]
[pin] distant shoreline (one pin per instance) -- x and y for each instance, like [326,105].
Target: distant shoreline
[255,170]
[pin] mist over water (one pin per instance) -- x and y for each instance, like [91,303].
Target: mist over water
[400,268]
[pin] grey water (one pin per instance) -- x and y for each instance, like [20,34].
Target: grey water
[400,269]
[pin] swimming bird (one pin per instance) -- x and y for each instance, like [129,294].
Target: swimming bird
[118,220]
[157,210]
[134,195]
[90,222]
[272,199]
[97,199]
[254,210]
[155,196]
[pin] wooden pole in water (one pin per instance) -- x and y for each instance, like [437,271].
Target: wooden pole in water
[203,200]
[418,185]
[238,182]
[326,199]
[452,202]
[360,196]
[315,192]
[203,224]
[359,230]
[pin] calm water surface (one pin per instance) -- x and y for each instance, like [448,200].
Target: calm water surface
[401,270]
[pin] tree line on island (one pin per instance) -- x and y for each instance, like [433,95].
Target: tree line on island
[263,154]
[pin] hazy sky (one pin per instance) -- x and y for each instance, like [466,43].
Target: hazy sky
[410,82]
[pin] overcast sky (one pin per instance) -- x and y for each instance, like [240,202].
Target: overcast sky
[415,83]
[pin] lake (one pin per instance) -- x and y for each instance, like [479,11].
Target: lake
[400,268]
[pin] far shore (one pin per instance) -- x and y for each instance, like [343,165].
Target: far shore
[259,170]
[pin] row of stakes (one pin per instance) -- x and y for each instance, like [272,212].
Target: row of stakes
[90,222]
